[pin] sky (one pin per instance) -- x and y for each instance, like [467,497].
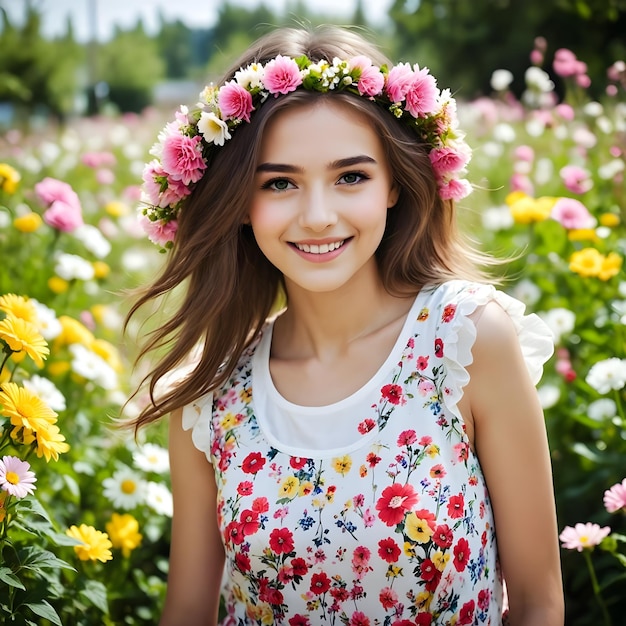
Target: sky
[194,13]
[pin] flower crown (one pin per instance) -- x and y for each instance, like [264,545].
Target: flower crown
[409,93]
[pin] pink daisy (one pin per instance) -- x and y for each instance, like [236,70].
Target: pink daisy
[16,477]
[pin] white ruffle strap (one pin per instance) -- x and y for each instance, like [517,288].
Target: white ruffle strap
[197,418]
[535,338]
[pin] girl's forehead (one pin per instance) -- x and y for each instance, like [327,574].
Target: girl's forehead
[320,130]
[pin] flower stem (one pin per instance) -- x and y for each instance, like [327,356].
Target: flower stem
[620,406]
[596,588]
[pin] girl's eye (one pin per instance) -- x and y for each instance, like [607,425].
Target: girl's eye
[277,184]
[353,178]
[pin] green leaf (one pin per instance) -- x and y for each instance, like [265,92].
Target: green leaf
[45,610]
[96,593]
[7,576]
[34,558]
[585,451]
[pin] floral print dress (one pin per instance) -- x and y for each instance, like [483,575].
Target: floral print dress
[372,510]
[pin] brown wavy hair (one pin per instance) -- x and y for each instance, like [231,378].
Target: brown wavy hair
[230,288]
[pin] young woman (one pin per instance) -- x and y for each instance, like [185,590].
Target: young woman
[357,439]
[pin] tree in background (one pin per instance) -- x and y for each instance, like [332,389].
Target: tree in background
[38,74]
[464,41]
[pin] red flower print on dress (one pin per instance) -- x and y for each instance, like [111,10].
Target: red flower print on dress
[260,505]
[484,597]
[423,619]
[359,619]
[271,595]
[393,393]
[299,620]
[388,598]
[462,451]
[242,561]
[394,502]
[422,363]
[461,554]
[373,459]
[407,437]
[466,614]
[281,541]
[388,550]
[448,313]
[245,488]
[439,348]
[437,471]
[297,462]
[253,463]
[340,594]
[430,574]
[249,521]
[456,506]
[320,583]
[366,426]
[299,567]
[234,533]
[428,517]
[443,537]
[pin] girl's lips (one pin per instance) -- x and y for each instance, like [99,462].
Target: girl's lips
[320,252]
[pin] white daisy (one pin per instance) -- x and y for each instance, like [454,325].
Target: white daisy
[607,375]
[92,366]
[151,458]
[47,391]
[47,321]
[159,498]
[602,409]
[93,240]
[125,489]
[72,266]
[527,291]
[560,321]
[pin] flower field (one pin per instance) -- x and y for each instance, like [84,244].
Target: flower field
[85,508]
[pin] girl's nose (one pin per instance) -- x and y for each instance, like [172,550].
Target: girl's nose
[317,212]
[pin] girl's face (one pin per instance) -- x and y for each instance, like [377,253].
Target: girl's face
[322,190]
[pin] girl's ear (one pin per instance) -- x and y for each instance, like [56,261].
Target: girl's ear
[394,194]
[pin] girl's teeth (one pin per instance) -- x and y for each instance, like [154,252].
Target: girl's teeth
[322,249]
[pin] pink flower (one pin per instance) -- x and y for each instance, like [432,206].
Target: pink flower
[524,153]
[394,502]
[64,210]
[98,159]
[583,536]
[571,214]
[615,497]
[565,63]
[63,217]
[454,189]
[235,102]
[576,179]
[162,190]
[399,81]
[158,232]
[371,80]
[282,75]
[421,98]
[182,158]
[15,477]
[448,160]
[565,111]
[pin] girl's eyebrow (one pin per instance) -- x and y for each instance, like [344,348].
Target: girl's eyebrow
[334,165]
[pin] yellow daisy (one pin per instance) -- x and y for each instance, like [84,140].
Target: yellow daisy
[49,442]
[124,533]
[28,223]
[19,306]
[24,408]
[9,178]
[21,335]
[95,544]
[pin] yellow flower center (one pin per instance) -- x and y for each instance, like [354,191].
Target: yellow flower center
[12,478]
[128,486]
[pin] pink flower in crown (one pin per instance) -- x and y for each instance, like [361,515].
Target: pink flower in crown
[454,189]
[576,179]
[153,177]
[235,102]
[421,98]
[282,75]
[182,159]
[399,81]
[158,232]
[371,80]
[448,160]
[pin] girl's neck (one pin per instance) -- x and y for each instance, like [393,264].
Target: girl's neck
[322,325]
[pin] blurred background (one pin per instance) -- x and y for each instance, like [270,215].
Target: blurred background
[65,57]
[86,85]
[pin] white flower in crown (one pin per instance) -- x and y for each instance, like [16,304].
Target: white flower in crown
[251,77]
[213,129]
